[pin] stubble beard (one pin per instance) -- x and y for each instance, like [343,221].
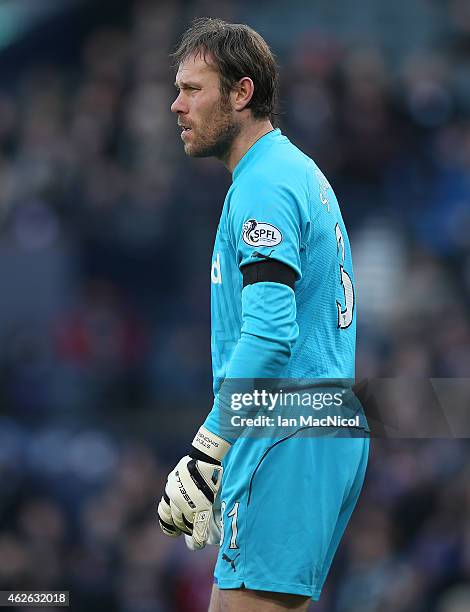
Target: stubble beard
[220,136]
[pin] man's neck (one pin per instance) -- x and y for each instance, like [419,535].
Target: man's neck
[246,139]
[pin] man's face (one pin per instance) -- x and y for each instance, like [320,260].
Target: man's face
[206,115]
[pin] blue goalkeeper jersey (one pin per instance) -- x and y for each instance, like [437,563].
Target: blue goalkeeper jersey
[281,207]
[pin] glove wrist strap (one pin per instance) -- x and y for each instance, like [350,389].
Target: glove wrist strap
[210,444]
[195,453]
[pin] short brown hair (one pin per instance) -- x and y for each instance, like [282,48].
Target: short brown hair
[237,51]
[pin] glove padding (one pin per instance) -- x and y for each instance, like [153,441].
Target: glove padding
[186,505]
[215,529]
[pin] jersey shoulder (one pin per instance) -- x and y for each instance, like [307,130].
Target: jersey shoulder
[282,162]
[280,174]
[285,168]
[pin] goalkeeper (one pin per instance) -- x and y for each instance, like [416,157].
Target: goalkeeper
[282,306]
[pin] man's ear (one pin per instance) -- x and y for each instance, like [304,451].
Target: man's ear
[242,93]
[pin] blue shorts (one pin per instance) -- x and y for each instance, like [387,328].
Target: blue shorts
[285,506]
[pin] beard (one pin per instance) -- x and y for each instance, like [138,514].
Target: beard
[216,135]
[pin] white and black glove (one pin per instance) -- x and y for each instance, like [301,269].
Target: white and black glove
[215,528]
[191,489]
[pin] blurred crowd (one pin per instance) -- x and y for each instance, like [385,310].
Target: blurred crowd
[78,513]
[106,233]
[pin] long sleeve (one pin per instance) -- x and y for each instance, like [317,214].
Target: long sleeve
[267,337]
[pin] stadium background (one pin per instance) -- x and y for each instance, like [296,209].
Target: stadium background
[106,233]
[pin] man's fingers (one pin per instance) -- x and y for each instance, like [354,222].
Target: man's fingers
[165,519]
[169,530]
[213,533]
[191,544]
[181,522]
[201,524]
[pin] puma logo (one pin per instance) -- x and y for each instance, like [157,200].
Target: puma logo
[231,561]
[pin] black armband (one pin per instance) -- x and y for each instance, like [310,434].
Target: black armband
[269,270]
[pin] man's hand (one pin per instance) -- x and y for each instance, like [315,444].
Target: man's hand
[186,505]
[191,489]
[215,528]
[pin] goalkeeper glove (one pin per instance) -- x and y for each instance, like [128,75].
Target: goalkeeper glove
[215,528]
[191,489]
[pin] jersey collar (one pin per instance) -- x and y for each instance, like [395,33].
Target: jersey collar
[259,146]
